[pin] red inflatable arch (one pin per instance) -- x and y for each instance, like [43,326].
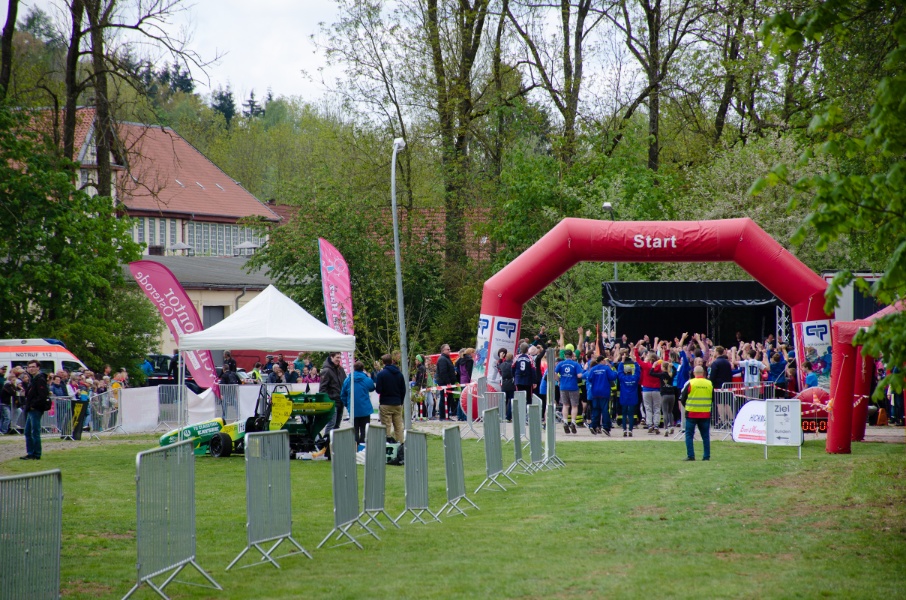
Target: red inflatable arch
[576,240]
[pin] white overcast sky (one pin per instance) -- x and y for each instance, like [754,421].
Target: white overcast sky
[266,43]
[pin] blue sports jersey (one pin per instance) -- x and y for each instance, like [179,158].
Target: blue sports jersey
[569,371]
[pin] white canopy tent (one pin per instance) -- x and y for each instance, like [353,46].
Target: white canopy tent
[271,321]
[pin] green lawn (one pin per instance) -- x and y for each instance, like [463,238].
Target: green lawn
[620,521]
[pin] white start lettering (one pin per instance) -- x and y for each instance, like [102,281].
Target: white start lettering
[646,241]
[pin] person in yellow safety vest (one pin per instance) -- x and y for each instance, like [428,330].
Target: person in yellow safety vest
[696,396]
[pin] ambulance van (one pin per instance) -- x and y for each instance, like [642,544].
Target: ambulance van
[52,355]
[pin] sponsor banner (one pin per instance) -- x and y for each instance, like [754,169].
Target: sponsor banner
[164,291]
[813,344]
[749,426]
[494,333]
[337,294]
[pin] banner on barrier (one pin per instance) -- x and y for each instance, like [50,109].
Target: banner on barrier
[749,426]
[494,333]
[813,345]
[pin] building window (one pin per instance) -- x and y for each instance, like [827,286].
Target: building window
[141,230]
[190,231]
[162,238]
[172,232]
[152,230]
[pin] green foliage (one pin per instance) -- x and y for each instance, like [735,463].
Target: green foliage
[61,252]
[872,198]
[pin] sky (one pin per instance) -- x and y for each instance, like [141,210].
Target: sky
[266,43]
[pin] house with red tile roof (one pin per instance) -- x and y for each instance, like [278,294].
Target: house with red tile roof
[181,201]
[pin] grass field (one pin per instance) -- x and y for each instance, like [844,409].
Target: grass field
[621,521]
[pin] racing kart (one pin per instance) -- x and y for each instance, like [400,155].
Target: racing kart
[302,415]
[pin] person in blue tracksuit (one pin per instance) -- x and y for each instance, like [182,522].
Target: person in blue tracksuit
[628,377]
[599,377]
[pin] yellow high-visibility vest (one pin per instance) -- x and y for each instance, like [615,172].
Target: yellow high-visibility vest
[700,394]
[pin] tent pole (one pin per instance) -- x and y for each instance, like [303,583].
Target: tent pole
[181,391]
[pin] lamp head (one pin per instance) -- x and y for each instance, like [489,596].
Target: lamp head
[399,144]
[607,206]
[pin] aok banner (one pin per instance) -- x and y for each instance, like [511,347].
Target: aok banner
[494,333]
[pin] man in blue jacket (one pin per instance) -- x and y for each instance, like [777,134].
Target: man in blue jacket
[391,388]
[599,378]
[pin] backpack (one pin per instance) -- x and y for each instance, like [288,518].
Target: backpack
[44,403]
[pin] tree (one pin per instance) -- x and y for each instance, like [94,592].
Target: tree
[62,250]
[654,32]
[563,80]
[6,47]
[223,102]
[870,198]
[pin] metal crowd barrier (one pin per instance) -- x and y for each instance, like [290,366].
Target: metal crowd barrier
[492,400]
[376,475]
[268,496]
[729,400]
[165,515]
[493,452]
[481,388]
[105,413]
[550,449]
[536,451]
[518,426]
[345,487]
[519,432]
[64,417]
[416,477]
[173,409]
[31,530]
[229,402]
[456,479]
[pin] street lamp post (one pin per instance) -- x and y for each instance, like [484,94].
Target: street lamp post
[399,144]
[608,208]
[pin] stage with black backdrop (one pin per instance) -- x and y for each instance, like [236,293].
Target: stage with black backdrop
[666,309]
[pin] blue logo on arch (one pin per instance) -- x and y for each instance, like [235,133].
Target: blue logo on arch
[819,331]
[508,328]
[482,325]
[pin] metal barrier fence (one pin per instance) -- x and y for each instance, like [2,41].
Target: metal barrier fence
[456,479]
[165,519]
[519,432]
[229,403]
[173,410]
[518,426]
[550,449]
[481,388]
[31,529]
[493,452]
[105,412]
[268,496]
[730,398]
[417,477]
[493,400]
[376,475]
[536,450]
[345,487]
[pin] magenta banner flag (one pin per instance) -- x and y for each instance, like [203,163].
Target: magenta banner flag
[337,293]
[177,311]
